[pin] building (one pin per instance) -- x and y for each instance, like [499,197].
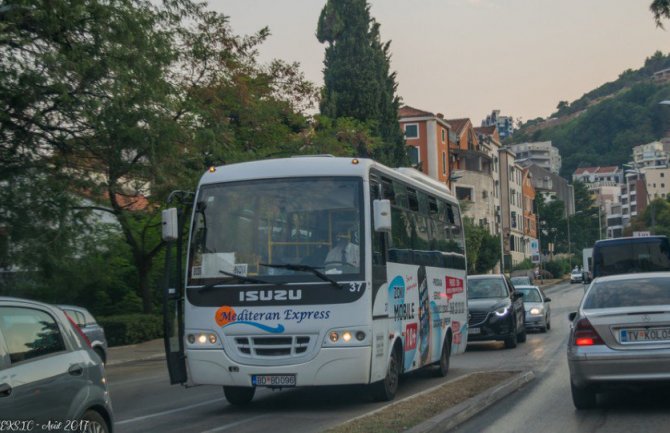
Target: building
[427,136]
[511,205]
[614,221]
[540,153]
[658,182]
[604,184]
[553,187]
[634,197]
[505,124]
[473,169]
[596,176]
[654,154]
[529,217]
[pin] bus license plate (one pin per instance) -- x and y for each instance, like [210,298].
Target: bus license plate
[273,380]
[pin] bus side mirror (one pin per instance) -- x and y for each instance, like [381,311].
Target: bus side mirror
[169,224]
[382,213]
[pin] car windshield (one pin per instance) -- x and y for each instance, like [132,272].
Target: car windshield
[520,281]
[530,295]
[576,272]
[628,293]
[482,288]
[244,228]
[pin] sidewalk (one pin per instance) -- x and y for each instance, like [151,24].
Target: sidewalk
[153,349]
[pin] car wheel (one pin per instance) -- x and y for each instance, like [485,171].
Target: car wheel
[101,354]
[443,364]
[521,336]
[95,422]
[385,390]
[239,395]
[511,341]
[583,397]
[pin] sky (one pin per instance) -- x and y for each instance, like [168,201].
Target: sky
[464,58]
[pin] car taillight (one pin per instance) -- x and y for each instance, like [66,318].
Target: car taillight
[585,334]
[79,331]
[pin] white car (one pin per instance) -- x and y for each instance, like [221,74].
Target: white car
[576,277]
[538,310]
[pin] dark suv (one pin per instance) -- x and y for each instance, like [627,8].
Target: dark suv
[496,310]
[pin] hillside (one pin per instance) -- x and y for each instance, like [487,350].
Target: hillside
[602,126]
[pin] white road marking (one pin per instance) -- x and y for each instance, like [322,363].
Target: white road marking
[235,424]
[167,412]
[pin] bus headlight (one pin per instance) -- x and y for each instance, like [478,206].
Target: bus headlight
[202,339]
[347,337]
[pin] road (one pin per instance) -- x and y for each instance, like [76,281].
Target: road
[546,404]
[144,401]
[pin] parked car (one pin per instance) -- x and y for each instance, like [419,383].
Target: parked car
[496,310]
[521,281]
[620,335]
[538,310]
[47,369]
[576,276]
[94,332]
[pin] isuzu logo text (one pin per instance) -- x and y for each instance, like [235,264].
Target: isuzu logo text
[271,295]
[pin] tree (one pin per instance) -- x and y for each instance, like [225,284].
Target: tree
[120,102]
[482,248]
[357,78]
[661,10]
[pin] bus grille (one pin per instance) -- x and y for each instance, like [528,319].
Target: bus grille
[272,347]
[477,317]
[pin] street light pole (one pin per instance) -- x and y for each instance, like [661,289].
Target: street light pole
[569,252]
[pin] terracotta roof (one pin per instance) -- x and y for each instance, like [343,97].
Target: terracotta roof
[486,130]
[407,111]
[607,169]
[458,124]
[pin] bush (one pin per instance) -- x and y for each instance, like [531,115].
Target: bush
[126,329]
[545,275]
[525,264]
[558,268]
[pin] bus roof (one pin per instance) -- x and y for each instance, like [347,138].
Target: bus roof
[311,166]
[625,240]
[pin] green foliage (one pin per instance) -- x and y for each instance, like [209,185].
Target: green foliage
[482,249]
[525,264]
[620,115]
[661,10]
[357,80]
[127,329]
[558,267]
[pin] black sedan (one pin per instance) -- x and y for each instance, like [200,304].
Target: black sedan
[496,310]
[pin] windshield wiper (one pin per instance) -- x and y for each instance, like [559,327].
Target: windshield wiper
[210,286]
[305,268]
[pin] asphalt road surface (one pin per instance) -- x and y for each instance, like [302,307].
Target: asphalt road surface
[546,404]
[144,401]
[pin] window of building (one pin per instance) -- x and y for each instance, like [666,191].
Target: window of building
[662,174]
[414,155]
[444,136]
[464,193]
[411,130]
[662,185]
[444,162]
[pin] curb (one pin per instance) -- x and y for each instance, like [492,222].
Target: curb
[154,357]
[462,412]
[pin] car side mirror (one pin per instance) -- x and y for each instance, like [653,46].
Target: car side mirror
[547,299]
[572,316]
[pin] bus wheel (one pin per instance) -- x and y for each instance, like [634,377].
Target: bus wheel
[443,363]
[385,390]
[239,395]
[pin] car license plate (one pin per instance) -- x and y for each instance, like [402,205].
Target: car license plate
[273,379]
[474,331]
[635,335]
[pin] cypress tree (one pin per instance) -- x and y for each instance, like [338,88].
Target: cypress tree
[358,82]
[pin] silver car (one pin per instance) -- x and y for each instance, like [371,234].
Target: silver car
[94,332]
[538,310]
[620,335]
[48,372]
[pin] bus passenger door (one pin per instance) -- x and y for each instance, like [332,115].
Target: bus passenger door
[173,296]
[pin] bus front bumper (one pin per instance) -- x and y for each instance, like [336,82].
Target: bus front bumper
[332,366]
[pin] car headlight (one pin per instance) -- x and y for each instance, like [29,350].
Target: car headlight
[347,337]
[501,311]
[535,311]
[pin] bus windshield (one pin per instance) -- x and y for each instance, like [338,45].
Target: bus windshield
[623,256]
[249,228]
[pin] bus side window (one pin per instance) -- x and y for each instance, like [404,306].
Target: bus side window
[378,238]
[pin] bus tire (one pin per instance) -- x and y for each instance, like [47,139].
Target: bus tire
[443,364]
[385,389]
[239,395]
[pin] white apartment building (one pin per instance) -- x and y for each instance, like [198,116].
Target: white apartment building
[540,153]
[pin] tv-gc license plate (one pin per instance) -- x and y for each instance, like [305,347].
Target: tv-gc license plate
[273,379]
[474,331]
